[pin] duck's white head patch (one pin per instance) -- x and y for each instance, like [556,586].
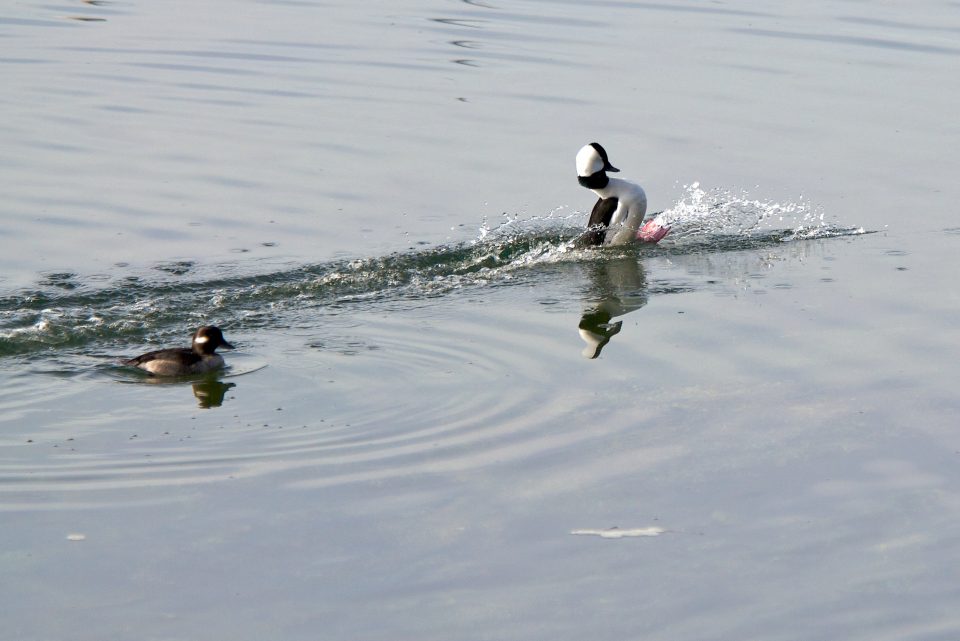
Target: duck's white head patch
[591,159]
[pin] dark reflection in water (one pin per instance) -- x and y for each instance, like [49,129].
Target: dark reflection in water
[843,39]
[617,287]
[94,11]
[458,22]
[210,393]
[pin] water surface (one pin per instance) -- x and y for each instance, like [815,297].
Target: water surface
[442,419]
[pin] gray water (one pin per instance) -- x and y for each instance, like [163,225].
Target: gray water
[376,202]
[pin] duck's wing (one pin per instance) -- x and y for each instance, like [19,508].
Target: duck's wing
[603,212]
[599,221]
[181,354]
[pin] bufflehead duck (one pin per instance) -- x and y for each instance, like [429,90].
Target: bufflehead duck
[619,213]
[180,361]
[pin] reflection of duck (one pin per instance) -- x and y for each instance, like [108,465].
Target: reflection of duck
[617,287]
[210,393]
[596,330]
[200,357]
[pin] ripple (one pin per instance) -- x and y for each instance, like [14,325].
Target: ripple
[460,400]
[459,428]
[843,39]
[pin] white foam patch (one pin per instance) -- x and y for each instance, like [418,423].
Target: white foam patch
[617,533]
[724,211]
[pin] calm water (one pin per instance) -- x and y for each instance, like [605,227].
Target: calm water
[412,440]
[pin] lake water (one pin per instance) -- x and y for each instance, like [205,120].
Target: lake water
[442,421]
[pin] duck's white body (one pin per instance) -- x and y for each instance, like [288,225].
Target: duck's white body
[629,214]
[619,213]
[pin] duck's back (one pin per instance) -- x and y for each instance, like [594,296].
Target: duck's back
[171,362]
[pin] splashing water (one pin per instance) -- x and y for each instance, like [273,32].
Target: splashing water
[69,312]
[87,313]
[721,213]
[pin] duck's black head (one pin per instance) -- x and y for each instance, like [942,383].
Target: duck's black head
[208,339]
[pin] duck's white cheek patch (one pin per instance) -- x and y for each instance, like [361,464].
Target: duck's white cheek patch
[200,340]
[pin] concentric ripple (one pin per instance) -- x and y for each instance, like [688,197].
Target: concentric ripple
[445,397]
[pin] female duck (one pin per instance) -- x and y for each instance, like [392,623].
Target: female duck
[181,361]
